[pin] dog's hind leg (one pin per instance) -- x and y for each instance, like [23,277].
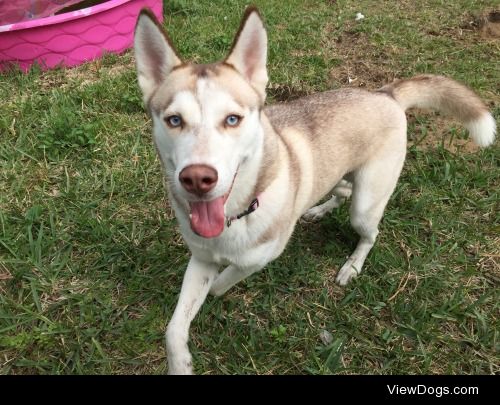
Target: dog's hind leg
[340,192]
[197,281]
[373,186]
[319,211]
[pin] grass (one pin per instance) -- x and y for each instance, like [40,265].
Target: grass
[91,260]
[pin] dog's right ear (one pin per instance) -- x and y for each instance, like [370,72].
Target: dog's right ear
[154,53]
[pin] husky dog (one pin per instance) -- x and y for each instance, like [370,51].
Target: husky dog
[241,174]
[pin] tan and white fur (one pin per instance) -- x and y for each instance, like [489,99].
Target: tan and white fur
[220,147]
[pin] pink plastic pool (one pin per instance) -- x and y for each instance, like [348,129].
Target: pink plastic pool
[75,37]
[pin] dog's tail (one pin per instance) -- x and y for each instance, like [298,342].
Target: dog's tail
[449,97]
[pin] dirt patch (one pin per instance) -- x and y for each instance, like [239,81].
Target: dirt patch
[361,73]
[367,66]
[487,23]
[88,73]
[491,25]
[362,64]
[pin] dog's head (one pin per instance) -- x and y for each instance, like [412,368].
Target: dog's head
[206,118]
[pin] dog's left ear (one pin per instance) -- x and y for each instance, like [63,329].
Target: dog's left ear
[249,51]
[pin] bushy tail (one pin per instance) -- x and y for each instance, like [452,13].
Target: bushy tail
[448,97]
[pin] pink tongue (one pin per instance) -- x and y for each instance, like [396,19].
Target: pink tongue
[207,217]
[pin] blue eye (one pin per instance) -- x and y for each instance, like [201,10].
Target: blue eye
[174,121]
[233,120]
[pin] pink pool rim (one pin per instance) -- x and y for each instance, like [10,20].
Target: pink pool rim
[73,38]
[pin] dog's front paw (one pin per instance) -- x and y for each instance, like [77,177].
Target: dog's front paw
[178,357]
[180,365]
[346,274]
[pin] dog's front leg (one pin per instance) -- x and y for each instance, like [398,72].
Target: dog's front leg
[230,276]
[197,281]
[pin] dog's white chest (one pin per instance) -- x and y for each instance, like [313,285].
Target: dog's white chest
[235,247]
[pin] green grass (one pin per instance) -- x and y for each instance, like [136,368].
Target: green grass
[91,260]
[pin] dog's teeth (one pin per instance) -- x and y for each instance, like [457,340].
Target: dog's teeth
[190,216]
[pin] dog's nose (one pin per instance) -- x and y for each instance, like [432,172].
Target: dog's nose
[198,179]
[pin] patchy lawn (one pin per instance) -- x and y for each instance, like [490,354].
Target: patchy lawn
[91,260]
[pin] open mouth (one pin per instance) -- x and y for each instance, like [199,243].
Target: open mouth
[207,217]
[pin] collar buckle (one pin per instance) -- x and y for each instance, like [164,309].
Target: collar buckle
[251,208]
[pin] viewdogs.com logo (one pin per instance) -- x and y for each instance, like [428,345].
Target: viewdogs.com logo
[438,392]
